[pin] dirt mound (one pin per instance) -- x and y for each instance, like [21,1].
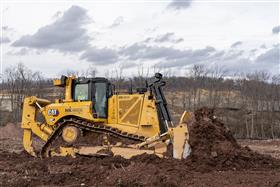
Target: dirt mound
[216,160]
[11,131]
[213,145]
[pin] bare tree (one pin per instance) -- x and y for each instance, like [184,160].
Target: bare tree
[216,75]
[19,81]
[198,73]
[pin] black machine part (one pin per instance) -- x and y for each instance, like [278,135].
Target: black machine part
[161,104]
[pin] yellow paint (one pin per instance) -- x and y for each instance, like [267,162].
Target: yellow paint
[132,113]
[70,134]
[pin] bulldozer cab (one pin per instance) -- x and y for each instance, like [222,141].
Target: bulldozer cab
[97,90]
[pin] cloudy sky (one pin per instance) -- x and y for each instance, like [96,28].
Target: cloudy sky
[58,36]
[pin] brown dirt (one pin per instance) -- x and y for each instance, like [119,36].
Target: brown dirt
[216,160]
[23,170]
[213,145]
[11,131]
[266,147]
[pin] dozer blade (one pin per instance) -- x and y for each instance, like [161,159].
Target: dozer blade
[181,147]
[180,137]
[103,151]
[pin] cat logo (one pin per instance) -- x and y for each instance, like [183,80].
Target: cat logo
[53,112]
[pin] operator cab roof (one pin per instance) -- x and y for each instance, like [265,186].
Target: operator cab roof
[84,80]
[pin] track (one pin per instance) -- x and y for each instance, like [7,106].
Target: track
[85,125]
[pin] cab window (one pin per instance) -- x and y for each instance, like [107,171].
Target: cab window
[101,99]
[81,92]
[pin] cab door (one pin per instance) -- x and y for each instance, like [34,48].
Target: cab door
[100,99]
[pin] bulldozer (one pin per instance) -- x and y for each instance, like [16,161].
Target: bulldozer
[115,123]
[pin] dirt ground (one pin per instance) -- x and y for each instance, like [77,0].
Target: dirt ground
[217,159]
[22,170]
[267,147]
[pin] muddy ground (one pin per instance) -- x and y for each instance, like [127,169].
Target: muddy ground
[217,159]
[266,147]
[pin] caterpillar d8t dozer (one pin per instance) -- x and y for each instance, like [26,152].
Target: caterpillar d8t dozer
[93,119]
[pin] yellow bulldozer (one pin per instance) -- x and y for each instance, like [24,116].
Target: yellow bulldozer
[125,124]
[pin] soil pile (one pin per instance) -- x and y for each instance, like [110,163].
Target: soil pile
[213,145]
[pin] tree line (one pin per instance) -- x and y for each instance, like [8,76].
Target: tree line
[249,104]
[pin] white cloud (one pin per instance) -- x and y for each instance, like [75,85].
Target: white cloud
[4,40]
[117,22]
[66,34]
[276,29]
[236,44]
[179,4]
[100,56]
[167,37]
[175,40]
